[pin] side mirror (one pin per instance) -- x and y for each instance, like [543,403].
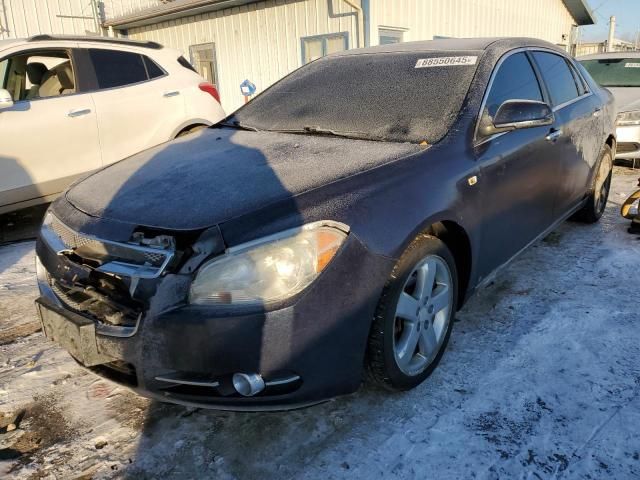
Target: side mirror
[6,101]
[516,114]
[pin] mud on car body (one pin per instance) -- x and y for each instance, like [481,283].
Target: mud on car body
[268,261]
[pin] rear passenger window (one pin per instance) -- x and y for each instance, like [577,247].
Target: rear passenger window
[581,84]
[515,80]
[153,70]
[557,76]
[116,69]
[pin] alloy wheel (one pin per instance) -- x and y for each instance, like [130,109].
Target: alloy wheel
[422,315]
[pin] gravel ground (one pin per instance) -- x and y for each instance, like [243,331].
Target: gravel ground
[541,380]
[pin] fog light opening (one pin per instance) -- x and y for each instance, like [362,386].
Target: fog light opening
[248,384]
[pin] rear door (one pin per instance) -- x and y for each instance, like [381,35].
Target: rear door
[137,103]
[578,127]
[518,169]
[50,135]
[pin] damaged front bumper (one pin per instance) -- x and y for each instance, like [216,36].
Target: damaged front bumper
[305,351]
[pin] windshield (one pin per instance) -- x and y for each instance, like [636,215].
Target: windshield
[614,72]
[400,97]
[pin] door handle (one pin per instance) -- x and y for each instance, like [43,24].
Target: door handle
[553,135]
[174,93]
[596,112]
[79,112]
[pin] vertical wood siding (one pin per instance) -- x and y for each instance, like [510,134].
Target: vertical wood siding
[24,18]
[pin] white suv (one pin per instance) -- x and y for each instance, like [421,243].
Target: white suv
[70,105]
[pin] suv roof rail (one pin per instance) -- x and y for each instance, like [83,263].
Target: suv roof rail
[117,41]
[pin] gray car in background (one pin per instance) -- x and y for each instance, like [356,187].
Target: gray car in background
[620,73]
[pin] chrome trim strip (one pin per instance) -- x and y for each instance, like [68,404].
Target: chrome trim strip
[570,102]
[282,381]
[196,383]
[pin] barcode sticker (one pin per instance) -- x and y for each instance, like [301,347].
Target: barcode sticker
[446,61]
[632,65]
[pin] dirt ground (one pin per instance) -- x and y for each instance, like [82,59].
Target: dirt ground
[541,380]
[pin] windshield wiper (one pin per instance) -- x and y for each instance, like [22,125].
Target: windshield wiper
[314,129]
[239,126]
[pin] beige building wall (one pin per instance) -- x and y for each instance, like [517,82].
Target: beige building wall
[424,19]
[259,41]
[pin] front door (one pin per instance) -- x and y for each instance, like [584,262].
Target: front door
[517,171]
[50,135]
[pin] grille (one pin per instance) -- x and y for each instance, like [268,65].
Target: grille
[70,238]
[105,252]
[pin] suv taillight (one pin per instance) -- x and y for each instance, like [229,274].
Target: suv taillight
[210,89]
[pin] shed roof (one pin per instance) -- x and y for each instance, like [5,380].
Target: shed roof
[579,10]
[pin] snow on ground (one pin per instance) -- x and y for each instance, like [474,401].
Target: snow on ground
[541,380]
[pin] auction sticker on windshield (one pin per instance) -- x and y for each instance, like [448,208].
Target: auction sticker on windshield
[446,61]
[632,65]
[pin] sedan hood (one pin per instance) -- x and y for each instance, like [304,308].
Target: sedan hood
[627,98]
[217,174]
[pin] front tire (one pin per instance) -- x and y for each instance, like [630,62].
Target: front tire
[597,201]
[414,317]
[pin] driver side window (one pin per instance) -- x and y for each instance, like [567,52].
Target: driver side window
[515,80]
[29,76]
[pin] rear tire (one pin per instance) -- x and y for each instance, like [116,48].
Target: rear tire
[597,201]
[189,131]
[414,317]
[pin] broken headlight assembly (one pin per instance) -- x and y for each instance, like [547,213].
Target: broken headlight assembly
[270,269]
[628,118]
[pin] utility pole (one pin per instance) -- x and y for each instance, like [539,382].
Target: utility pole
[612,31]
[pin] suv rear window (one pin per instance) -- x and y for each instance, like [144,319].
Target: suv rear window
[116,68]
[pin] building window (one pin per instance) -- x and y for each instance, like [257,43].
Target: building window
[321,45]
[388,36]
[203,59]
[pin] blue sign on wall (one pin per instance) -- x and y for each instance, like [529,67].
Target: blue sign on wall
[247,88]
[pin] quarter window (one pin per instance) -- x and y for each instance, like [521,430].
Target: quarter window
[319,46]
[515,80]
[557,76]
[116,68]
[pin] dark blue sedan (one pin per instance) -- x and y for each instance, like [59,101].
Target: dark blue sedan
[333,226]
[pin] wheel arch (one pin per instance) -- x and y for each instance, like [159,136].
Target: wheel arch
[188,126]
[612,142]
[457,240]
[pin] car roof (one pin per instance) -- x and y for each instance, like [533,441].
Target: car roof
[495,44]
[602,56]
[10,42]
[94,39]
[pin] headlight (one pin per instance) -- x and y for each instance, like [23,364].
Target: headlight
[270,269]
[628,118]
